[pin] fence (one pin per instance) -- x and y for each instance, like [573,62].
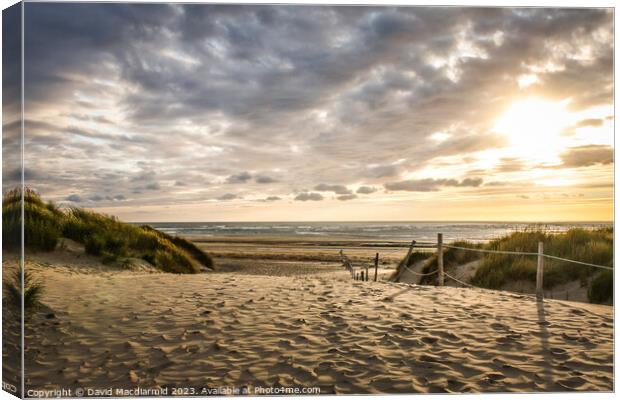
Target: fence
[440,246]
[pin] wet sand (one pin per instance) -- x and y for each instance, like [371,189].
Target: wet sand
[308,249]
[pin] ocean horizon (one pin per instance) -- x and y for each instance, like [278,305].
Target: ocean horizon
[383,230]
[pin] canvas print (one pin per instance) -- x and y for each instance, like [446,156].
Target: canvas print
[221,199]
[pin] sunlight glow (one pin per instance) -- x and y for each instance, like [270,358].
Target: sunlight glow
[440,136]
[527,80]
[534,128]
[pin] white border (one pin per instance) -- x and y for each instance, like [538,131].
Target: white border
[480,3]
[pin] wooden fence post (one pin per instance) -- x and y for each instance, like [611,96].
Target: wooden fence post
[362,276]
[347,264]
[539,272]
[402,266]
[366,273]
[376,265]
[440,259]
[409,253]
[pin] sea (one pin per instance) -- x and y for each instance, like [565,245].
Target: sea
[392,231]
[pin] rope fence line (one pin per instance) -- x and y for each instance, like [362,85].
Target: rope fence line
[418,273]
[476,287]
[525,253]
[577,262]
[460,281]
[391,251]
[491,251]
[440,265]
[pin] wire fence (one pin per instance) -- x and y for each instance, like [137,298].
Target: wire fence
[440,246]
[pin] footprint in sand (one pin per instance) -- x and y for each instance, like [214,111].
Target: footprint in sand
[449,336]
[430,339]
[285,343]
[494,377]
[499,327]
[429,358]
[571,383]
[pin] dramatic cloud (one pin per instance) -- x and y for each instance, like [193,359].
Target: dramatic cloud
[338,189]
[239,178]
[227,196]
[366,189]
[176,103]
[496,183]
[99,198]
[381,171]
[420,185]
[589,122]
[309,196]
[585,156]
[430,185]
[74,198]
[469,182]
[510,165]
[15,175]
[585,123]
[264,179]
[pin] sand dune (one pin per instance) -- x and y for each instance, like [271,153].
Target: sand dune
[123,329]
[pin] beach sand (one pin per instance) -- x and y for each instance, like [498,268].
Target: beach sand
[296,248]
[271,324]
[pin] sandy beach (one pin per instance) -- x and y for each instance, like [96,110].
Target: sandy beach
[267,323]
[308,249]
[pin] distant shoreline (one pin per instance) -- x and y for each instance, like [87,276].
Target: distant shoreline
[295,248]
[373,234]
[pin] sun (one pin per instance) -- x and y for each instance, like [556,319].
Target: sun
[534,128]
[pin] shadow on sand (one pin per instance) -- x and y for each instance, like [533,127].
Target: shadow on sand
[546,375]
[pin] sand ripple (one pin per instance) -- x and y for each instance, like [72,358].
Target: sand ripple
[325,330]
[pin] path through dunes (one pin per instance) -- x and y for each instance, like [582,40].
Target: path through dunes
[124,329]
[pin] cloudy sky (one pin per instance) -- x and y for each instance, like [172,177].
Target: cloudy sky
[250,113]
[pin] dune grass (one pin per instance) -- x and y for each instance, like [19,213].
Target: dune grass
[497,270]
[591,246]
[42,221]
[33,290]
[451,259]
[102,235]
[184,244]
[601,288]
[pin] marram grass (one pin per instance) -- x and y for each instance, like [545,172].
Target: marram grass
[497,270]
[102,235]
[33,289]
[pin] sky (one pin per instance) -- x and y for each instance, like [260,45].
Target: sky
[297,113]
